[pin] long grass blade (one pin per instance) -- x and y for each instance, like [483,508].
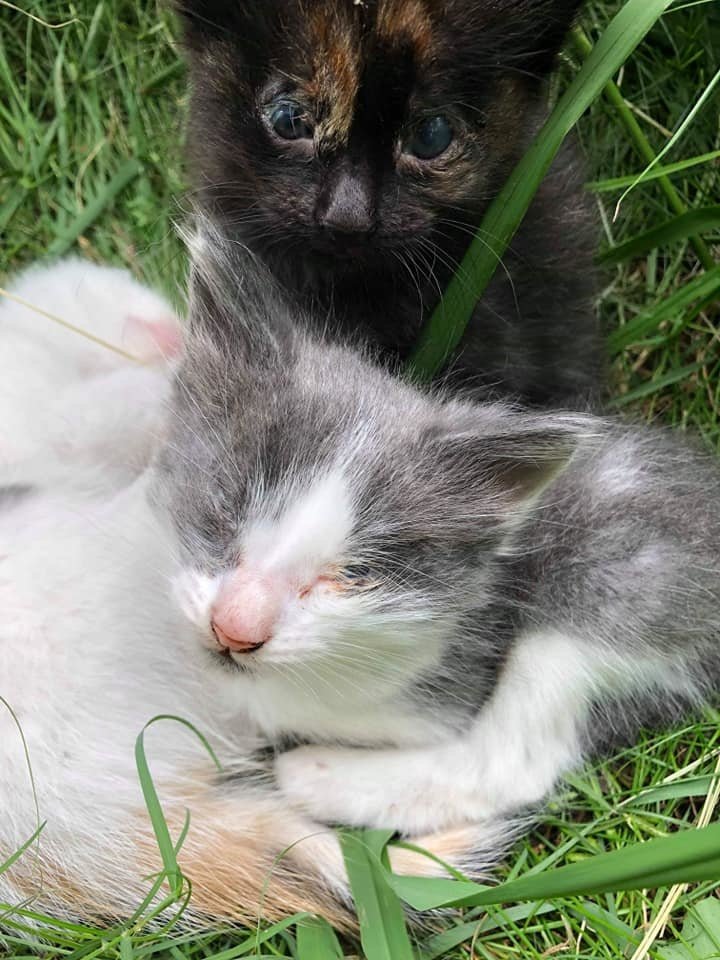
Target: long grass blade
[700,290]
[669,170]
[168,850]
[679,228]
[677,375]
[317,941]
[686,857]
[702,100]
[382,921]
[444,330]
[643,147]
[14,857]
[103,199]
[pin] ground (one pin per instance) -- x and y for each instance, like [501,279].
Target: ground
[92,102]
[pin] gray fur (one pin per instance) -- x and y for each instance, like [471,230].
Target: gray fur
[489,520]
[13,493]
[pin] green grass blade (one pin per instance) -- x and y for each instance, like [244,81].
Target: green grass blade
[382,921]
[103,199]
[257,939]
[679,228]
[700,290]
[13,858]
[643,147]
[316,941]
[689,856]
[702,100]
[670,169]
[439,944]
[168,850]
[700,938]
[677,375]
[443,332]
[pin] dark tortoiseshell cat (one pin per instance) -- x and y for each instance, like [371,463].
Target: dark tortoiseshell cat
[355,145]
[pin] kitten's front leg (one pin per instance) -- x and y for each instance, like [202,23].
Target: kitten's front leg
[405,790]
[524,739]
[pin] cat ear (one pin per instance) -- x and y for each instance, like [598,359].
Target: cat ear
[204,20]
[234,300]
[203,17]
[532,30]
[509,457]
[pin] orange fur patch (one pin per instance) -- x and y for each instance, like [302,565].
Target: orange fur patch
[234,857]
[336,72]
[407,20]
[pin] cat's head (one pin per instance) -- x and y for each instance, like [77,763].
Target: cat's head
[343,131]
[330,516]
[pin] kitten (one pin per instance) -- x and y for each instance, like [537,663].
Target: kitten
[450,605]
[93,645]
[356,146]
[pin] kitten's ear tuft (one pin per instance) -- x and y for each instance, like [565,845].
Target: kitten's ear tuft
[210,20]
[524,465]
[202,18]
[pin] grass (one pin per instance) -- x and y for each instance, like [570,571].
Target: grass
[91,126]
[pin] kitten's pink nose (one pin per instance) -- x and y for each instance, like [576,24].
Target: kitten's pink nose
[246,610]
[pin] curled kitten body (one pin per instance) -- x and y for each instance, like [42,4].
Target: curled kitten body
[450,605]
[356,148]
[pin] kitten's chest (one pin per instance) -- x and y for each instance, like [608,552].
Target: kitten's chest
[281,710]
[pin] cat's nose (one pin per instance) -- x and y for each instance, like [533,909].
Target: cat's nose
[348,207]
[245,611]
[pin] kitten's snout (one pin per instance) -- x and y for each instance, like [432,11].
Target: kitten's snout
[245,611]
[347,208]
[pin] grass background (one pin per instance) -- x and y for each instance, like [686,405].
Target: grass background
[91,127]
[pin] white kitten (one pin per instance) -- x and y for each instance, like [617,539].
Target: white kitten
[93,645]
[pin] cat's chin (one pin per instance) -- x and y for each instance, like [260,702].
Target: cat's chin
[232,663]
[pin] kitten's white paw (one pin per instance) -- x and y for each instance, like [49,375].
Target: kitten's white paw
[361,788]
[328,783]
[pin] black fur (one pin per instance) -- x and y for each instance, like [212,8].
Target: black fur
[365,75]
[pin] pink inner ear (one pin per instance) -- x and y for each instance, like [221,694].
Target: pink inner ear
[153,339]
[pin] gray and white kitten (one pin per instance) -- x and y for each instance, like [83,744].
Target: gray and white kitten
[447,605]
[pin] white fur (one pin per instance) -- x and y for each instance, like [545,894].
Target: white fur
[63,394]
[335,663]
[525,738]
[309,533]
[92,644]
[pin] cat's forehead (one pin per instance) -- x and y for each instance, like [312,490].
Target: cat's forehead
[365,55]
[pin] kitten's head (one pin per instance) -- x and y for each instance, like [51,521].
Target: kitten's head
[341,130]
[329,515]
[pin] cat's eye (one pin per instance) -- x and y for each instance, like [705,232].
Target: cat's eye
[429,138]
[357,575]
[290,121]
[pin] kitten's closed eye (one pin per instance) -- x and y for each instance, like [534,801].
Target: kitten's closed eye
[357,575]
[353,576]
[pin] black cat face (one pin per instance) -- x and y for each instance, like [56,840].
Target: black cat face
[350,131]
